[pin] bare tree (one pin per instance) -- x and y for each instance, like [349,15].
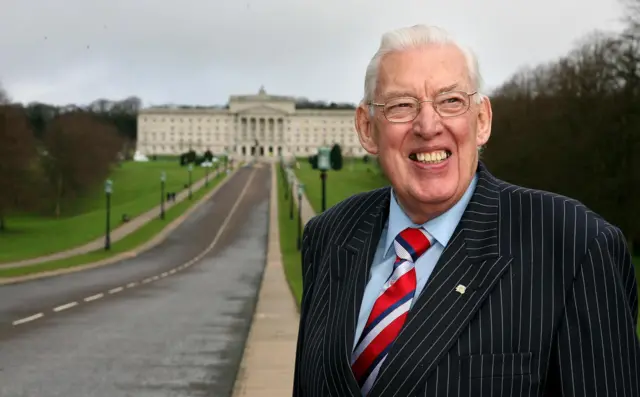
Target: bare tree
[79,153]
[573,126]
[18,161]
[4,97]
[632,14]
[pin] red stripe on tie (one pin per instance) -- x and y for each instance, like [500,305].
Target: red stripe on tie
[417,240]
[377,346]
[397,291]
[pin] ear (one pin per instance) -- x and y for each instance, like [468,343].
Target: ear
[366,129]
[485,117]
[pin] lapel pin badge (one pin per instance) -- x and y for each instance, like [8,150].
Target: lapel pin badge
[461,289]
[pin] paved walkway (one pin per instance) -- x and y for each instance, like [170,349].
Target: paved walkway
[117,233]
[269,357]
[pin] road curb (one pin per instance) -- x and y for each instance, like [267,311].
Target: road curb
[157,239]
[266,367]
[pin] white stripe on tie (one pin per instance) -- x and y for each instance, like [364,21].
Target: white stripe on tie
[397,312]
[366,387]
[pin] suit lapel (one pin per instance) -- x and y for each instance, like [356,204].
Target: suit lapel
[466,272]
[349,260]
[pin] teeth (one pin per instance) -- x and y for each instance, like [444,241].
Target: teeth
[432,157]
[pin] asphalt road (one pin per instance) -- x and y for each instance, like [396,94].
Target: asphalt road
[159,324]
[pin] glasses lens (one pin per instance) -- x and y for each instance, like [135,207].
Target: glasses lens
[452,103]
[401,109]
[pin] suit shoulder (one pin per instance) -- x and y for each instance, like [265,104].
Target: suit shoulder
[562,214]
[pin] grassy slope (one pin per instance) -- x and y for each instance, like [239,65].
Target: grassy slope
[130,242]
[136,189]
[288,241]
[355,177]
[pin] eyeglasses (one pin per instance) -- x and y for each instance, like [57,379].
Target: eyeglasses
[405,109]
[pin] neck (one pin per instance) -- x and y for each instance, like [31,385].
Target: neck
[423,213]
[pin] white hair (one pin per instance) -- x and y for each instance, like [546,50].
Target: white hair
[412,37]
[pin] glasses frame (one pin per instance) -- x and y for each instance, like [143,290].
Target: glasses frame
[467,94]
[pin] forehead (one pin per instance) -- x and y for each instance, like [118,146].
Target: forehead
[423,71]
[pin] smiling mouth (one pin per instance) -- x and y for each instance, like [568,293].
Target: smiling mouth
[434,157]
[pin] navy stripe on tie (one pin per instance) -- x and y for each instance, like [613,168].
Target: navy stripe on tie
[375,363]
[397,263]
[384,314]
[405,244]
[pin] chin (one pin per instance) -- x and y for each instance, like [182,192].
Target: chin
[434,193]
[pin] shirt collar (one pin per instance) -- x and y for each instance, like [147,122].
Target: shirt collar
[441,227]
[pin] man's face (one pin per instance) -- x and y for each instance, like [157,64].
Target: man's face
[425,189]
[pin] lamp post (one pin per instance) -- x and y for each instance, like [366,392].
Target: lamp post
[206,175]
[108,188]
[163,178]
[292,195]
[285,180]
[190,170]
[324,164]
[300,192]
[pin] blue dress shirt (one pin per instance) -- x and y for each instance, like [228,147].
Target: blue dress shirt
[441,228]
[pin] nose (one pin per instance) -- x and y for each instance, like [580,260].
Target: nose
[428,122]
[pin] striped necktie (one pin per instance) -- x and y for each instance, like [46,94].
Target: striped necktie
[390,309]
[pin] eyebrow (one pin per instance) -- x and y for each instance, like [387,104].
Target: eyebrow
[448,88]
[396,94]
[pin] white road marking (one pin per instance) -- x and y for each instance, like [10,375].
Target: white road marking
[65,307]
[93,297]
[146,280]
[131,285]
[165,274]
[27,319]
[224,224]
[115,290]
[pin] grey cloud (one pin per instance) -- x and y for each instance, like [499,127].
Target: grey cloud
[202,51]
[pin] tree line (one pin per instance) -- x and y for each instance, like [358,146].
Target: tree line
[573,126]
[51,155]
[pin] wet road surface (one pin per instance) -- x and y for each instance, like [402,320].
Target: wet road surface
[181,334]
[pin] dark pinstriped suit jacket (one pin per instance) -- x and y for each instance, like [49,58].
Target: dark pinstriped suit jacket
[550,306]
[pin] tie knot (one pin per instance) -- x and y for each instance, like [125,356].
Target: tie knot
[411,243]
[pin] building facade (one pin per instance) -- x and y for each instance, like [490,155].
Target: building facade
[251,125]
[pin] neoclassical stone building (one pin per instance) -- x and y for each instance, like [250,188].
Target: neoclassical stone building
[263,125]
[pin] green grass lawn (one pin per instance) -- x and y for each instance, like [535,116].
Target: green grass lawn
[355,177]
[288,240]
[136,189]
[128,243]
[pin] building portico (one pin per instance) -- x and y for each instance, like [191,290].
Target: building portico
[263,126]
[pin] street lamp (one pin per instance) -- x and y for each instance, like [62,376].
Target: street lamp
[285,180]
[300,192]
[190,170]
[163,178]
[292,195]
[108,188]
[324,164]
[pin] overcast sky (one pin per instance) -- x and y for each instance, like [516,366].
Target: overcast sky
[202,51]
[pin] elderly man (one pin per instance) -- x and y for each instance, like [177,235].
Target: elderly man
[452,282]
